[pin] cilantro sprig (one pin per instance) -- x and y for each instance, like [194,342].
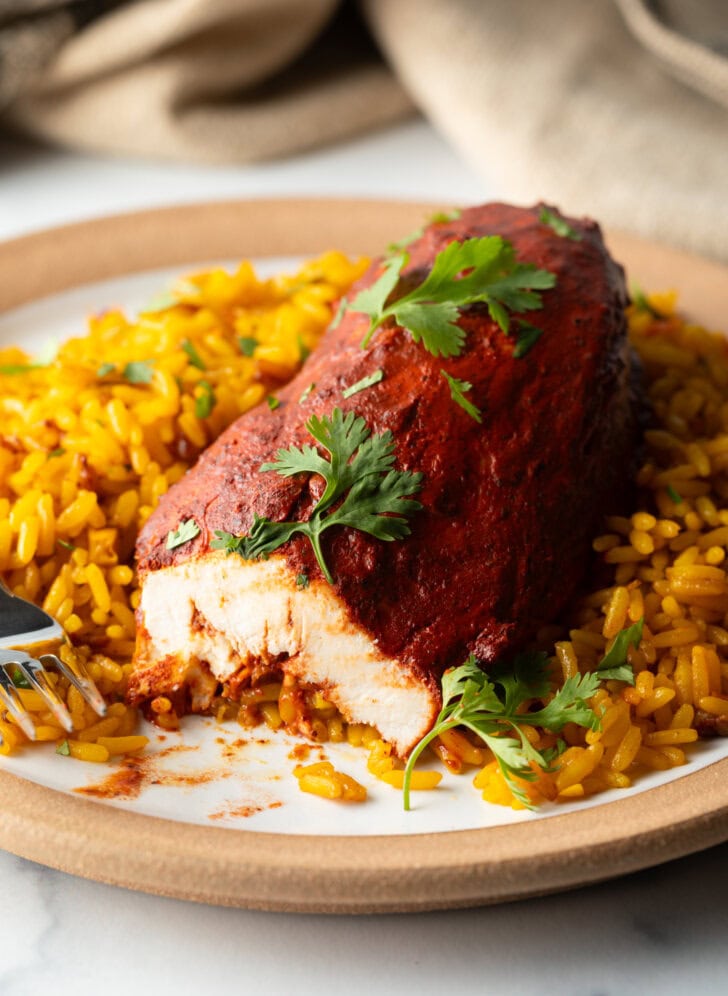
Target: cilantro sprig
[479,270]
[490,706]
[363,490]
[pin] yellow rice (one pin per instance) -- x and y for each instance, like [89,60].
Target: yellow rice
[84,459]
[85,455]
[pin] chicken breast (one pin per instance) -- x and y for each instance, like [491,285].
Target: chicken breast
[509,505]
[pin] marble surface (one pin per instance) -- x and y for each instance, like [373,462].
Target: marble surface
[660,931]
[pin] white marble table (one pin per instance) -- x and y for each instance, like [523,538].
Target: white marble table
[662,931]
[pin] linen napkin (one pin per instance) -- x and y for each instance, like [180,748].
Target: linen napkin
[614,108]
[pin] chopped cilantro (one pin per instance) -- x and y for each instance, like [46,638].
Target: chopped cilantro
[307,393]
[614,664]
[64,748]
[105,368]
[273,402]
[368,493]
[185,531]
[437,218]
[20,680]
[339,314]
[458,390]
[443,217]
[204,402]
[302,581]
[194,357]
[247,345]
[558,224]
[674,495]
[58,451]
[303,351]
[641,302]
[361,385]
[138,372]
[13,369]
[528,335]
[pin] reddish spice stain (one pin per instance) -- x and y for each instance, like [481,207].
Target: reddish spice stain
[300,752]
[231,750]
[126,783]
[136,773]
[243,811]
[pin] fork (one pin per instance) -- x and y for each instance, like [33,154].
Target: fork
[23,627]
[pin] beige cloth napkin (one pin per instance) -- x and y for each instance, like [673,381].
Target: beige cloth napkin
[614,108]
[215,81]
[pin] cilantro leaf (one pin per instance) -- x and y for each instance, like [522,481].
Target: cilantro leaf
[273,402]
[363,384]
[528,336]
[303,351]
[614,663]
[65,544]
[302,581]
[194,357]
[138,372]
[458,390]
[490,705]
[64,748]
[247,345]
[205,402]
[481,270]
[375,498]
[185,531]
[558,224]
[105,369]
[675,496]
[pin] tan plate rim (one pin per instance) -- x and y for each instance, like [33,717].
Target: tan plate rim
[335,874]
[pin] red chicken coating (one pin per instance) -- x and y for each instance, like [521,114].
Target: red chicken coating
[509,505]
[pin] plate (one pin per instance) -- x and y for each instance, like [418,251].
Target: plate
[209,844]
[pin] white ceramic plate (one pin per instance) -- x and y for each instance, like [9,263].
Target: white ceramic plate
[217,777]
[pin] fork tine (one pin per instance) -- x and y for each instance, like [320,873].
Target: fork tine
[11,700]
[38,679]
[79,678]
